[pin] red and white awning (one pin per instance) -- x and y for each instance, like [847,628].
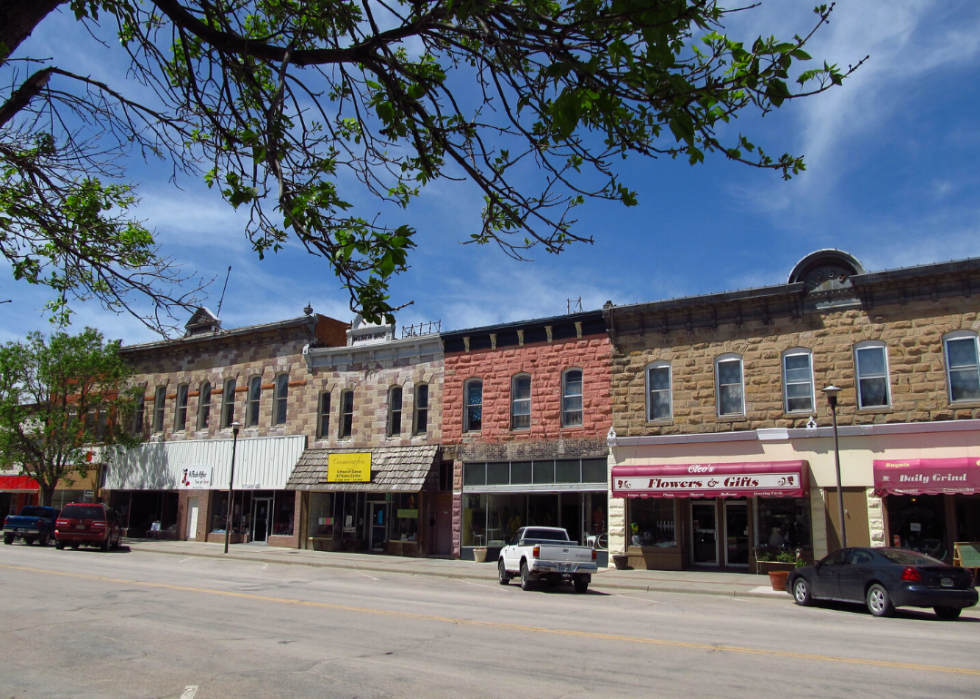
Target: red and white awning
[789,479]
[927,476]
[18,484]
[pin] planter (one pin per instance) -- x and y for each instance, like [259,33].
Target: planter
[480,554]
[763,567]
[777,578]
[621,561]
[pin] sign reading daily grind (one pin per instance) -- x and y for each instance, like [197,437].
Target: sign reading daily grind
[349,468]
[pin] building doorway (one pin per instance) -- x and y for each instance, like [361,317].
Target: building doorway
[378,527]
[261,507]
[704,535]
[736,533]
[193,510]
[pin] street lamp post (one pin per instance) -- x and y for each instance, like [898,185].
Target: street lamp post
[231,483]
[832,392]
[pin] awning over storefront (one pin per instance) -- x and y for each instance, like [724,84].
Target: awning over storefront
[393,470]
[18,483]
[927,476]
[789,479]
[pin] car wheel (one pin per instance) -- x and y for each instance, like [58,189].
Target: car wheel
[105,544]
[581,584]
[8,539]
[503,577]
[526,582]
[74,545]
[801,592]
[60,545]
[45,539]
[29,540]
[879,601]
[117,544]
[947,613]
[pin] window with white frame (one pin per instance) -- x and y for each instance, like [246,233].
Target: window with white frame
[159,404]
[731,388]
[228,403]
[281,400]
[323,418]
[204,406]
[962,366]
[520,402]
[571,398]
[254,394]
[421,409]
[473,405]
[659,399]
[395,395]
[871,362]
[798,381]
[346,414]
[139,412]
[180,414]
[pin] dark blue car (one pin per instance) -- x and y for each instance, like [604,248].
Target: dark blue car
[885,578]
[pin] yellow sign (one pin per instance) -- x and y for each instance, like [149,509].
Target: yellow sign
[349,468]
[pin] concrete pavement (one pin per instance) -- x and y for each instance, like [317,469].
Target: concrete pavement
[687,581]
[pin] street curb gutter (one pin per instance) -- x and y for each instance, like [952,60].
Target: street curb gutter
[459,575]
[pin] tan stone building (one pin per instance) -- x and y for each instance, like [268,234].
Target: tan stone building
[196,388]
[722,446]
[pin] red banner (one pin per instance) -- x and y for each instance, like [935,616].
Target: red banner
[781,479]
[18,483]
[927,476]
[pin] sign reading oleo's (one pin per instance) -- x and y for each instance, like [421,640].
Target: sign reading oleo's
[349,468]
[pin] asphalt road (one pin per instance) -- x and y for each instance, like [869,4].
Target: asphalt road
[134,624]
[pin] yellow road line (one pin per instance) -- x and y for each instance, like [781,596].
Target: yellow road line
[518,627]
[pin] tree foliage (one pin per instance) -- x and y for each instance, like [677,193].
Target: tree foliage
[58,399]
[292,109]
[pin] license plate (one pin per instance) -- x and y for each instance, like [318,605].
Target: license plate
[20,530]
[79,526]
[564,567]
[947,582]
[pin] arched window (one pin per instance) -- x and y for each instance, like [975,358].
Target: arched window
[323,417]
[280,400]
[730,385]
[798,381]
[871,364]
[394,411]
[346,414]
[520,402]
[228,403]
[180,414]
[473,406]
[571,398]
[159,404]
[660,404]
[421,422]
[254,393]
[204,406]
[962,366]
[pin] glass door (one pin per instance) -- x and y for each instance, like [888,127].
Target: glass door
[704,544]
[261,508]
[736,533]
[378,527]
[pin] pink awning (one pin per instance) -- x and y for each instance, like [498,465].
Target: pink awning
[787,479]
[927,476]
[8,483]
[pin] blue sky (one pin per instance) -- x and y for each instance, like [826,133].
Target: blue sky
[891,178]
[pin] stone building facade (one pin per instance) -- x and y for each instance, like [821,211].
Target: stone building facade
[527,409]
[729,385]
[196,387]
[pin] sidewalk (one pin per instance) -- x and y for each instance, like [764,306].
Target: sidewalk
[687,581]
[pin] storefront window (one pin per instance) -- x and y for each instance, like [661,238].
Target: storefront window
[405,523]
[506,516]
[321,514]
[349,515]
[783,524]
[285,503]
[653,522]
[219,511]
[474,520]
[918,522]
[542,510]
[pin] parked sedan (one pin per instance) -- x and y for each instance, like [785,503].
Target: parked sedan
[885,578]
[92,524]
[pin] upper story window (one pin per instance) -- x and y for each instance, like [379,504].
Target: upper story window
[731,388]
[421,409]
[140,412]
[346,414]
[871,361]
[204,406]
[659,399]
[323,416]
[962,366]
[473,406]
[180,414]
[159,404]
[798,381]
[520,402]
[281,399]
[254,393]
[571,398]
[228,403]
[394,411]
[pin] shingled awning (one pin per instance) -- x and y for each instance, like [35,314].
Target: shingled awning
[393,470]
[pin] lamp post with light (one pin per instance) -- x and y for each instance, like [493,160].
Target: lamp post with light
[831,392]
[231,482]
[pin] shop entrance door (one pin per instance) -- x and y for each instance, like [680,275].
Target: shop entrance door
[571,516]
[260,518]
[378,526]
[704,544]
[736,533]
[192,515]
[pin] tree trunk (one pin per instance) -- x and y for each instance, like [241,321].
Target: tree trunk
[18,18]
[47,494]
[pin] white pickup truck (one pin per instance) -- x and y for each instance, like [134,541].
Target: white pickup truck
[546,553]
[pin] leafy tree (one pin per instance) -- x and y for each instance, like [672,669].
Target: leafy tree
[57,400]
[289,109]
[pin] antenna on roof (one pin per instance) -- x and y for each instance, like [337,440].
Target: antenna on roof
[223,290]
[574,305]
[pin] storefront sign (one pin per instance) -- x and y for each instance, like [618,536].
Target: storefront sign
[349,468]
[772,479]
[927,476]
[195,478]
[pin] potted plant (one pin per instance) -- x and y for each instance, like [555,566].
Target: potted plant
[480,554]
[778,566]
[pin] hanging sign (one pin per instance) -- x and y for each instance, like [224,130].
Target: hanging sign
[349,468]
[195,478]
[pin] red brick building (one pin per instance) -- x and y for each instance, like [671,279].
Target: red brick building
[526,407]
